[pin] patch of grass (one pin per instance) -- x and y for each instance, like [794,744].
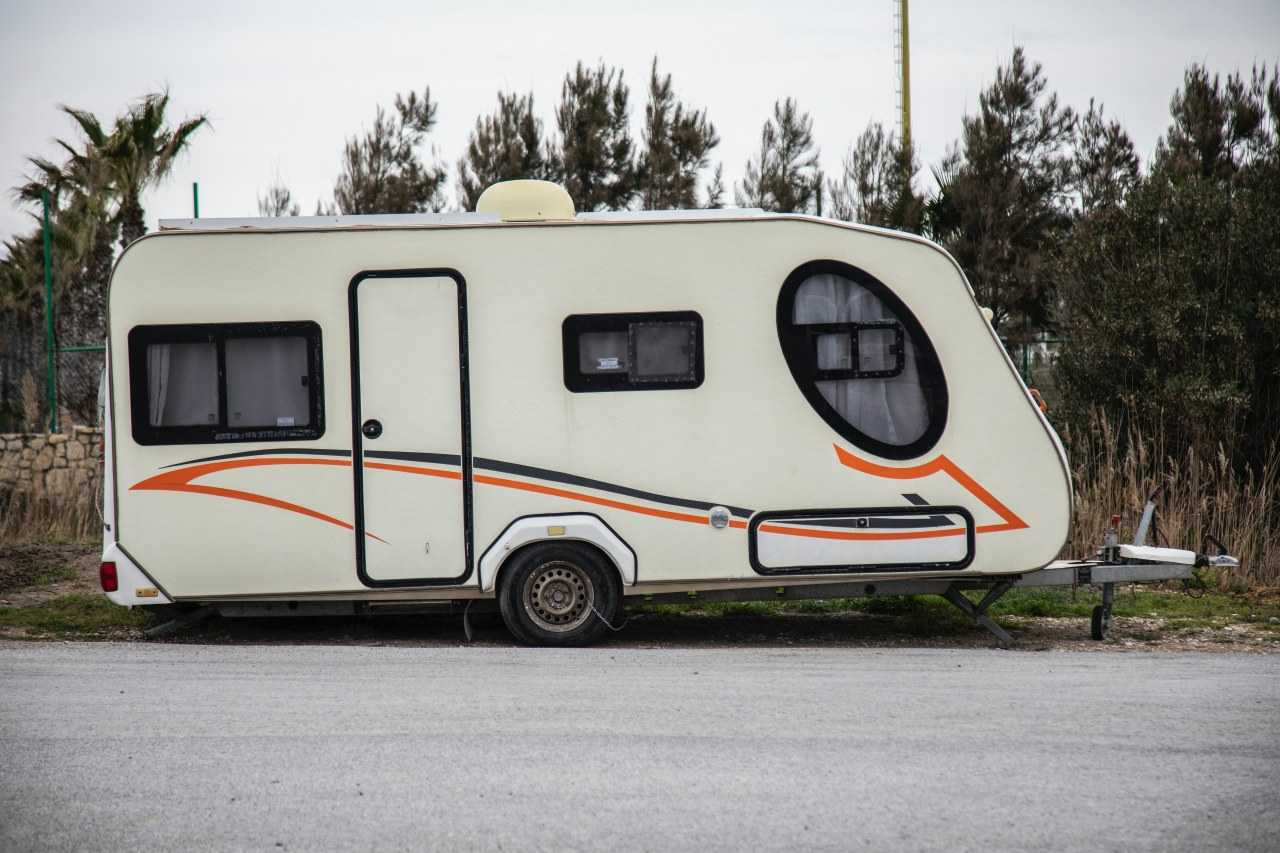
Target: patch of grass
[1045,602]
[53,574]
[22,577]
[31,564]
[80,616]
[1179,609]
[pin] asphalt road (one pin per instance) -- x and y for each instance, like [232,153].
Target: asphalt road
[123,746]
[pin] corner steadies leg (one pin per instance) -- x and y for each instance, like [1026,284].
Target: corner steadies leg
[186,620]
[979,611]
[1101,619]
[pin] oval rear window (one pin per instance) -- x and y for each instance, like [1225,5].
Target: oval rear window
[862,359]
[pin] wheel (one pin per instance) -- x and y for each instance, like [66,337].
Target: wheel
[555,593]
[1099,622]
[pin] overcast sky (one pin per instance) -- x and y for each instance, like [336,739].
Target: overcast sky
[285,82]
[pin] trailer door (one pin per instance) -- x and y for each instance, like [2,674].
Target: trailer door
[410,443]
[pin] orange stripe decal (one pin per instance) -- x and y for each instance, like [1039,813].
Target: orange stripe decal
[505,483]
[179,480]
[1009,518]
[565,493]
[409,469]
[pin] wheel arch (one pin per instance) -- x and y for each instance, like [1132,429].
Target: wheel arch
[529,530]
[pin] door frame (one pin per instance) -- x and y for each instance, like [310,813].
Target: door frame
[357,439]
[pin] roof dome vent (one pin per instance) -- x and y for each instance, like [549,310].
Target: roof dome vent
[527,201]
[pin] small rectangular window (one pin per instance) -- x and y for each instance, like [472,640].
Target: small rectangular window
[880,349]
[226,382]
[842,351]
[633,352]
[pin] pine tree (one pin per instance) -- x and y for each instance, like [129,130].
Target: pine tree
[875,186]
[1003,194]
[1104,164]
[504,145]
[677,144]
[1168,308]
[382,170]
[592,155]
[278,201]
[714,197]
[1219,130]
[784,176]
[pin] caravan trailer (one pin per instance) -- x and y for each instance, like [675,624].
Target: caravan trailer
[560,412]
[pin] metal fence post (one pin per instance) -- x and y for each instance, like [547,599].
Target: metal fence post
[50,341]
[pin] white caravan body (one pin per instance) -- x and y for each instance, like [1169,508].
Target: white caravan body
[374,408]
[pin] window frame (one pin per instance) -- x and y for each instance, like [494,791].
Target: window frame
[575,325]
[799,344]
[141,337]
[782,516]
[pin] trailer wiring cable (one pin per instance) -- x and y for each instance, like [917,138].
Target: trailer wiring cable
[1197,585]
[97,493]
[606,622]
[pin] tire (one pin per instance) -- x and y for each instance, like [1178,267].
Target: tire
[1098,623]
[554,593]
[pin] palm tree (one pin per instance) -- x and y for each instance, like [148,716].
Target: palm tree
[141,151]
[95,198]
[87,220]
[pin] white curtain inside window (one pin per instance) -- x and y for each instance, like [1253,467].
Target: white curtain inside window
[182,384]
[267,382]
[891,410]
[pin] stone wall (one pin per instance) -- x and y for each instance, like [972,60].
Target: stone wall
[67,463]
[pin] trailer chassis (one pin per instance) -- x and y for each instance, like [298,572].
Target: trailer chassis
[1115,564]
[1073,574]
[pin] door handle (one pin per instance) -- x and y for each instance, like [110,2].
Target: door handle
[371,428]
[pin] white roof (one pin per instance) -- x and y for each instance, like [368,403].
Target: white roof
[384,220]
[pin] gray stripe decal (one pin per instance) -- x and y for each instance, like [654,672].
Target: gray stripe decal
[429,458]
[574,480]
[488,465]
[877,522]
[291,452]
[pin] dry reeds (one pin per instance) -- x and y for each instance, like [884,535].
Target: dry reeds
[31,405]
[1200,495]
[26,516]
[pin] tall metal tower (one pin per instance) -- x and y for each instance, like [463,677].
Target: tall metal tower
[902,59]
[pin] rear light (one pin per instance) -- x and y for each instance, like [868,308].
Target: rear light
[110,580]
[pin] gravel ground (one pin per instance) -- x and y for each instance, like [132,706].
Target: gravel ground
[133,746]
